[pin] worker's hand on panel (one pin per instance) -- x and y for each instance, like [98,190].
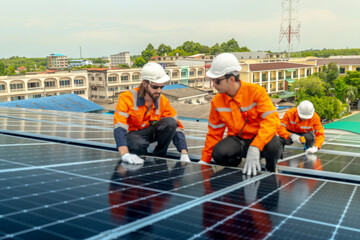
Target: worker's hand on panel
[184,158]
[295,138]
[252,163]
[132,159]
[311,150]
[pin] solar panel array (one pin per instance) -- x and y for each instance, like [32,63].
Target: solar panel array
[61,179]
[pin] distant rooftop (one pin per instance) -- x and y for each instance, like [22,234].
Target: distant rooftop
[67,102]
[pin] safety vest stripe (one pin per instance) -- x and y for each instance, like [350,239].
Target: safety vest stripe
[283,124]
[292,122]
[216,126]
[158,104]
[123,114]
[143,125]
[244,109]
[134,93]
[122,125]
[223,109]
[305,127]
[265,114]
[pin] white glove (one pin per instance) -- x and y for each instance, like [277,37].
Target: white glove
[130,167]
[252,162]
[132,159]
[184,158]
[202,162]
[295,138]
[311,150]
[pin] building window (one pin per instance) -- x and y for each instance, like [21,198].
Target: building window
[2,87]
[280,75]
[112,79]
[100,78]
[342,70]
[136,77]
[17,98]
[183,73]
[124,78]
[33,85]
[81,92]
[35,96]
[49,84]
[92,78]
[174,74]
[192,73]
[264,77]
[16,86]
[200,72]
[113,89]
[64,83]
[358,69]
[79,82]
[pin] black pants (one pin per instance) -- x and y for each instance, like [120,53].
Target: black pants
[229,151]
[162,132]
[309,138]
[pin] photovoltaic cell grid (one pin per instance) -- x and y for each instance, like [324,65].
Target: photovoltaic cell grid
[52,191]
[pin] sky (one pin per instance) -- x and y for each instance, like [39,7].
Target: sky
[37,28]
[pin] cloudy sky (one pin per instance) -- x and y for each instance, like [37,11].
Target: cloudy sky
[37,28]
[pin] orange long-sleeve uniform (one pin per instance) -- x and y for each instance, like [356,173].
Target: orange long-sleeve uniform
[132,114]
[292,122]
[251,102]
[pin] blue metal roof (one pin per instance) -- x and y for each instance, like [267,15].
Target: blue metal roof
[67,102]
[175,86]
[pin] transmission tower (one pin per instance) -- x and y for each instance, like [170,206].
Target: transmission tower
[290,25]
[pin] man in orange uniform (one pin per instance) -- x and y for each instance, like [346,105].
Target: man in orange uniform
[144,116]
[302,121]
[250,117]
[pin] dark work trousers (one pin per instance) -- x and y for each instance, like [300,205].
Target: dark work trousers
[309,138]
[162,132]
[230,150]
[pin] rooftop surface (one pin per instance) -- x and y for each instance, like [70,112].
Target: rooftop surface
[61,178]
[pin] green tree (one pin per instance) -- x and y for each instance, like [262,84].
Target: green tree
[42,69]
[139,62]
[310,86]
[216,49]
[2,68]
[352,78]
[328,108]
[10,70]
[148,52]
[230,46]
[164,49]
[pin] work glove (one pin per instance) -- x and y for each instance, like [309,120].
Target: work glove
[184,157]
[252,162]
[202,162]
[311,150]
[132,159]
[295,138]
[131,167]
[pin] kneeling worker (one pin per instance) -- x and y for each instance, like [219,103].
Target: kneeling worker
[143,116]
[302,121]
[250,117]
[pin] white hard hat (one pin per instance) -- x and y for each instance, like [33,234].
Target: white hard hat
[306,109]
[224,63]
[154,72]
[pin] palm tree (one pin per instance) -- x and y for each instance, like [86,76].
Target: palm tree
[350,95]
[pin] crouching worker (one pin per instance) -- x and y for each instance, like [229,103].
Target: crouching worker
[302,121]
[143,116]
[250,117]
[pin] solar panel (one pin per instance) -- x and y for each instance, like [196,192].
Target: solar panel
[52,190]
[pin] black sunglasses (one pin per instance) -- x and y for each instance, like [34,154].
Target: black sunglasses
[156,87]
[218,80]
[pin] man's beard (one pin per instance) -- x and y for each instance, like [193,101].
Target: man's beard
[154,98]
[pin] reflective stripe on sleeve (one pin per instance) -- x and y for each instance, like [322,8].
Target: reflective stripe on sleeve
[283,124]
[223,109]
[305,127]
[123,114]
[244,109]
[216,126]
[265,114]
[122,125]
[292,122]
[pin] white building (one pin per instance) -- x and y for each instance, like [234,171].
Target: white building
[120,58]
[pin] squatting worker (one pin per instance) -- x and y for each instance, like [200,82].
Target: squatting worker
[302,121]
[143,116]
[250,117]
